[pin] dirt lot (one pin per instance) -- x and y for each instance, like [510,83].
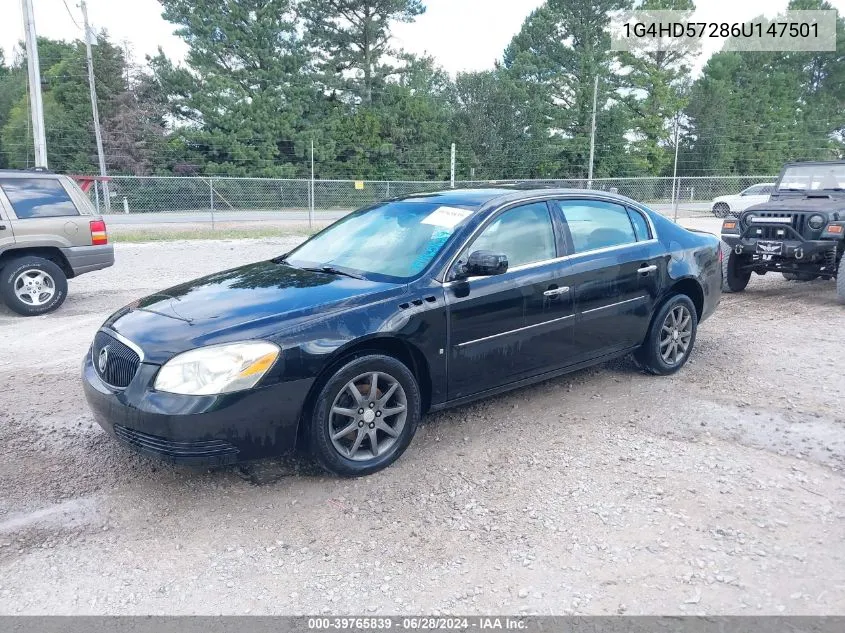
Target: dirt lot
[718,490]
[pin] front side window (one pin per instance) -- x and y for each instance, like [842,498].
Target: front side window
[38,198]
[524,234]
[396,240]
[594,224]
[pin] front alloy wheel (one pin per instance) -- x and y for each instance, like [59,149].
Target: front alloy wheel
[364,416]
[367,416]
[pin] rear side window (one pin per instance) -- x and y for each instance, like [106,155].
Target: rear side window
[38,198]
[640,226]
[594,224]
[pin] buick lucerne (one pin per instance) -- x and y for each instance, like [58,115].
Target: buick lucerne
[408,306]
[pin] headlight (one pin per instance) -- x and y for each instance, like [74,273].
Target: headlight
[817,221]
[747,218]
[217,368]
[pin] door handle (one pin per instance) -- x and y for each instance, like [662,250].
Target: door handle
[2,227]
[556,292]
[644,270]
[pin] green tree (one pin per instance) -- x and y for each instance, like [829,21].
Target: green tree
[350,40]
[560,50]
[655,86]
[245,98]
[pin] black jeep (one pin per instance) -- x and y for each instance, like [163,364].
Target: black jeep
[799,232]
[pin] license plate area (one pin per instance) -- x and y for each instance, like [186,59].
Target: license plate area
[769,248]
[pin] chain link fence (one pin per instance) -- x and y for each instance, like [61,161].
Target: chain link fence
[200,198]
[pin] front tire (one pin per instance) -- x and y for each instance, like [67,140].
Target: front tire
[671,337]
[33,285]
[733,279]
[365,416]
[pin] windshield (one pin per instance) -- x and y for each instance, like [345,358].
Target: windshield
[395,239]
[813,177]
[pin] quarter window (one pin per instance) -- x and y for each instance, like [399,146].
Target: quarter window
[594,224]
[38,198]
[524,234]
[640,225]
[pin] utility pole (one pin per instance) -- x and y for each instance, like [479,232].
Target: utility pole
[593,132]
[94,109]
[34,69]
[675,192]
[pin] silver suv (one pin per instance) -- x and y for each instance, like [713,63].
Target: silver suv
[49,232]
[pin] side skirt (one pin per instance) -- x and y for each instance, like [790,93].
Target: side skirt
[529,381]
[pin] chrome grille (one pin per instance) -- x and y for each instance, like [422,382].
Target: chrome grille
[115,362]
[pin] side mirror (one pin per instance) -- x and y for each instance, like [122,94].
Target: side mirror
[482,264]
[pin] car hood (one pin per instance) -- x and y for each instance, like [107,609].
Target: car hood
[796,203]
[254,301]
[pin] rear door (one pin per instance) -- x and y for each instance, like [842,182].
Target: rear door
[43,212]
[615,271]
[7,233]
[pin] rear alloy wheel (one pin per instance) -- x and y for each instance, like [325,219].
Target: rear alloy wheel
[721,210]
[671,337]
[33,285]
[366,416]
[734,279]
[800,276]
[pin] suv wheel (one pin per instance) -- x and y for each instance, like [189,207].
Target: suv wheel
[32,285]
[671,337]
[733,280]
[840,281]
[365,416]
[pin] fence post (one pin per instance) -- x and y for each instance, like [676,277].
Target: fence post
[387,194]
[676,195]
[313,191]
[211,199]
[97,196]
[452,170]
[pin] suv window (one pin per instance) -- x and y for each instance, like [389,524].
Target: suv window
[594,224]
[38,197]
[524,234]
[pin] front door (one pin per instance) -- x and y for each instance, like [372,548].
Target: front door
[507,327]
[615,271]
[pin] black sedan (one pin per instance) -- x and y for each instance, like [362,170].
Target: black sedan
[408,306]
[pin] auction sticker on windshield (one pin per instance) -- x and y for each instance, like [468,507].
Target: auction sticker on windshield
[447,217]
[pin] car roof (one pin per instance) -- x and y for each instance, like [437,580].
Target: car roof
[27,173]
[815,162]
[477,199]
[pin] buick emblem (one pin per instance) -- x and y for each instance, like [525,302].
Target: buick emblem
[103,359]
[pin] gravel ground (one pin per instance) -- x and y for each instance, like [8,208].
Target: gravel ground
[718,490]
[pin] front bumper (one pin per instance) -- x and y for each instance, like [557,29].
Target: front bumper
[197,430]
[798,250]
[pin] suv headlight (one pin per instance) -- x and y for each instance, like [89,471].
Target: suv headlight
[217,368]
[817,221]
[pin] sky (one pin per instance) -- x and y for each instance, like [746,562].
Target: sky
[463,35]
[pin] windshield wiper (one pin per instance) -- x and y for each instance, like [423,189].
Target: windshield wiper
[331,270]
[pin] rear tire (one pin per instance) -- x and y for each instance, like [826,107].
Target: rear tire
[346,419]
[721,210]
[32,285]
[671,337]
[840,281]
[733,280]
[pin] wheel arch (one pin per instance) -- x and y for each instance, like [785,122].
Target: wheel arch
[405,352]
[49,253]
[690,287]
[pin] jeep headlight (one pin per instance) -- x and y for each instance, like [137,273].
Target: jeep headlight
[217,368]
[817,221]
